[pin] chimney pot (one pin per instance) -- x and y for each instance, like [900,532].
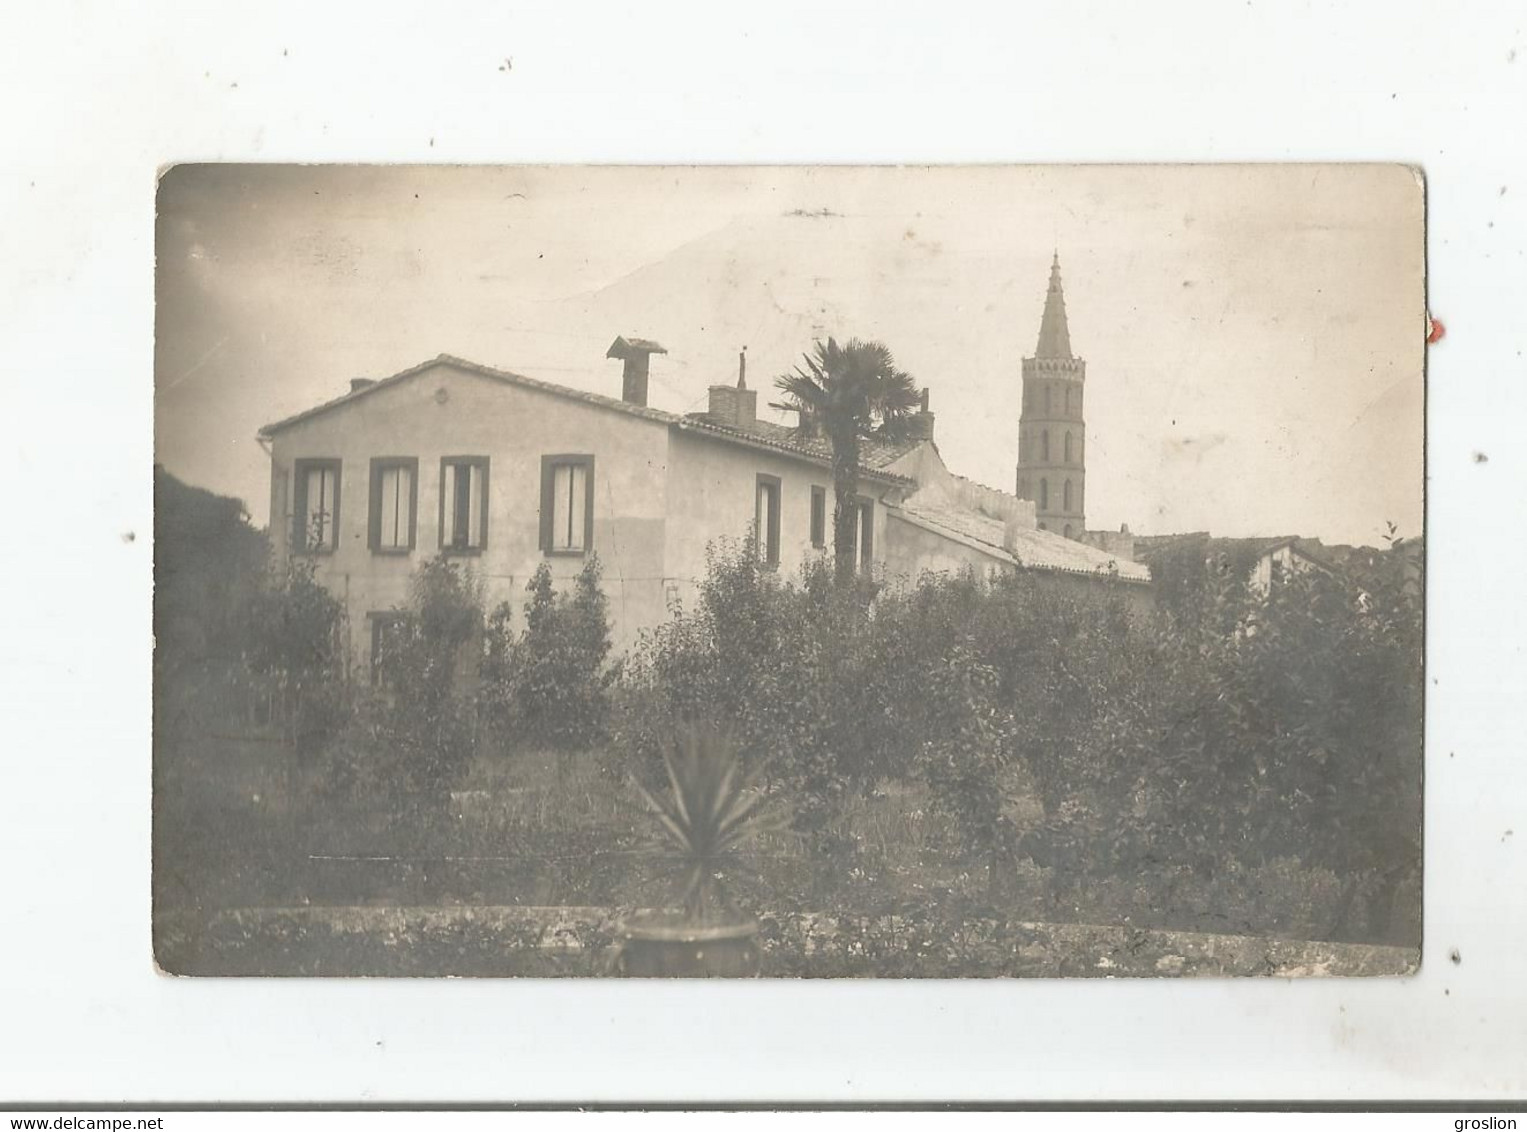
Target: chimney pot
[635,354]
[737,405]
[359,383]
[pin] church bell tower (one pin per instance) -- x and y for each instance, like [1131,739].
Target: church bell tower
[1052,444]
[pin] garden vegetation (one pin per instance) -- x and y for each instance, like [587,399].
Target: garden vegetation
[1019,746]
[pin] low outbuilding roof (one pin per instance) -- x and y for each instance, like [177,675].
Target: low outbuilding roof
[1033,549]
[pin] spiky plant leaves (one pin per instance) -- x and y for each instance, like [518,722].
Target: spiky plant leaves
[714,807]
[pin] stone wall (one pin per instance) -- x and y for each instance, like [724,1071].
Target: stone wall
[562,941]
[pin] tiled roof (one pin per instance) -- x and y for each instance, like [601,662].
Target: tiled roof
[874,455]
[765,434]
[504,376]
[1034,550]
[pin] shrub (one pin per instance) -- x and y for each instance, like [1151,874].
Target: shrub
[1278,727]
[415,736]
[548,686]
[784,666]
[296,641]
[1224,736]
[965,759]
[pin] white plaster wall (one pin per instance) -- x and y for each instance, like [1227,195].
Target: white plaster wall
[714,496]
[514,426]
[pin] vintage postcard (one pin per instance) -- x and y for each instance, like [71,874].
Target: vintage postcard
[797,572]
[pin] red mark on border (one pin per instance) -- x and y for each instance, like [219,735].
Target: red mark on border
[1435,330]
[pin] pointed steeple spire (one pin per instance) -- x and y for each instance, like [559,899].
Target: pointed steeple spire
[1054,337]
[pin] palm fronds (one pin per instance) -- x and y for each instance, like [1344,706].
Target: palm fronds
[857,388]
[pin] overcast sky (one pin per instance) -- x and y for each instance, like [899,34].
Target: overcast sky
[1253,335]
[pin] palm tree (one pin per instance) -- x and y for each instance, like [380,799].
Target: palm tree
[851,393]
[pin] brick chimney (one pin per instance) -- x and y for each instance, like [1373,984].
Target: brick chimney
[1010,531]
[736,406]
[1018,515]
[634,352]
[359,383]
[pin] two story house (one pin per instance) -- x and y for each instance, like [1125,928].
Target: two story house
[506,472]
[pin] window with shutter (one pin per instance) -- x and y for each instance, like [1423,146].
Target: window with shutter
[818,516]
[567,504]
[463,504]
[315,506]
[394,504]
[864,531]
[766,519]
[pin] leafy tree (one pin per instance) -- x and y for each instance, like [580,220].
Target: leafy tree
[1239,741]
[1288,726]
[851,393]
[296,640]
[426,727]
[208,565]
[1333,676]
[549,685]
[965,761]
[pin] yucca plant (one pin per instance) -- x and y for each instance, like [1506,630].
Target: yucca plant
[713,808]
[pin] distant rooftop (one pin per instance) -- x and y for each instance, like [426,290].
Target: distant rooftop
[1149,546]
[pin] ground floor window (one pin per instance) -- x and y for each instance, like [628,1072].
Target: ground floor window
[818,516]
[390,631]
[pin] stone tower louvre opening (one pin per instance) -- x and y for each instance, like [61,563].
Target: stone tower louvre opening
[1052,446]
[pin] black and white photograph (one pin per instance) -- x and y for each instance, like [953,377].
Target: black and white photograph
[802,572]
[875,563]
